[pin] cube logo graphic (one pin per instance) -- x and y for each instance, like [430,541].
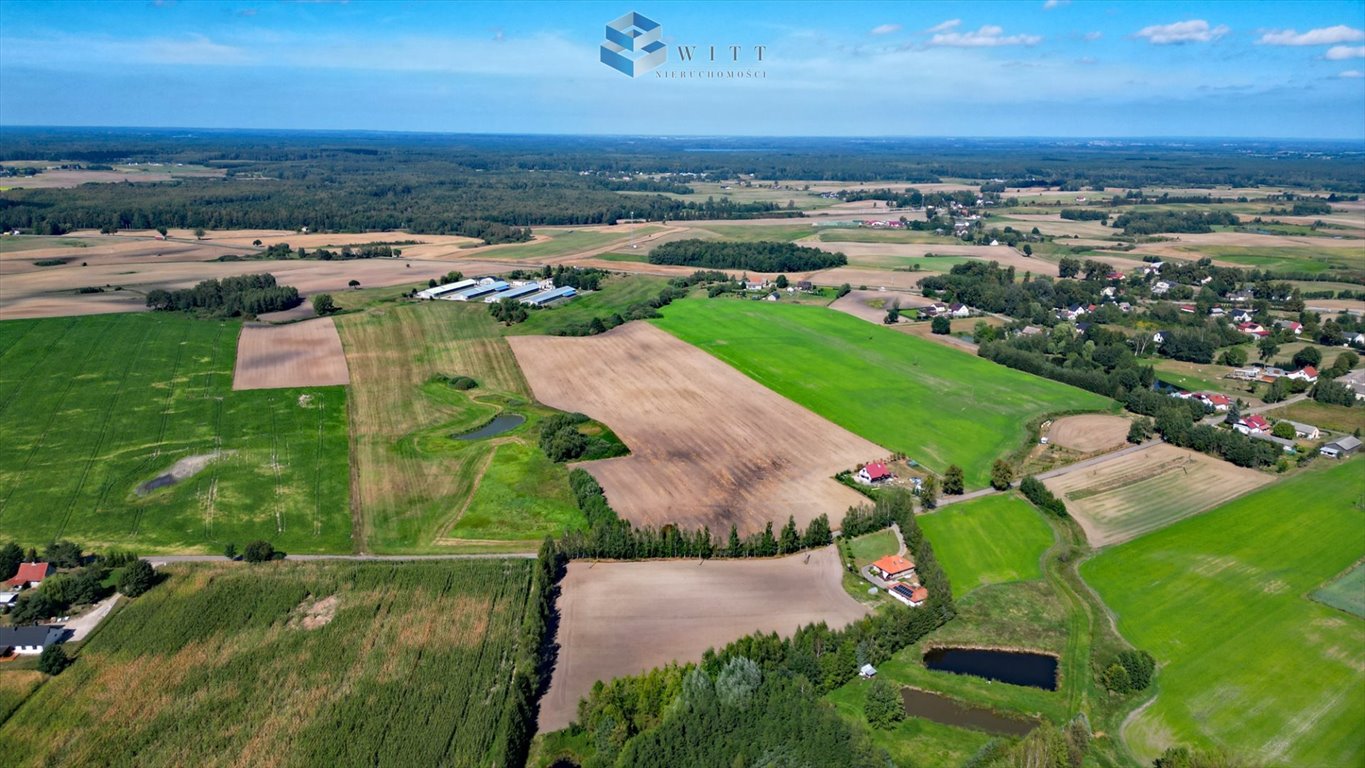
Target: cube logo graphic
[633,46]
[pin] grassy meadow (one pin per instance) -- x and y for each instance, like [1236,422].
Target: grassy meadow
[419,488]
[872,547]
[95,406]
[992,540]
[1246,659]
[290,664]
[937,405]
[561,242]
[1346,592]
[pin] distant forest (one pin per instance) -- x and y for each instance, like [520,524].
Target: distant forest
[760,256]
[496,187]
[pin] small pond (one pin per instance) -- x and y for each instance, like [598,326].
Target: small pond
[1036,670]
[160,481]
[942,709]
[501,423]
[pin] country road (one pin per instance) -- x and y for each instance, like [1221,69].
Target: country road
[157,560]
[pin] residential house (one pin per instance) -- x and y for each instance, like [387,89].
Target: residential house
[1243,296]
[1160,337]
[30,575]
[1030,330]
[1187,309]
[873,473]
[1354,381]
[1306,431]
[1240,316]
[1289,325]
[1161,288]
[755,285]
[959,309]
[911,596]
[1253,329]
[1252,425]
[1217,402]
[1340,449]
[1357,340]
[1217,312]
[774,296]
[28,641]
[894,567]
[1125,307]
[1307,373]
[805,285]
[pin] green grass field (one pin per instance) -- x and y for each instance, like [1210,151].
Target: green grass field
[1280,259]
[853,235]
[420,489]
[618,293]
[1337,418]
[871,547]
[937,405]
[566,241]
[17,243]
[751,233]
[221,665]
[993,540]
[95,406]
[1246,660]
[1346,592]
[635,257]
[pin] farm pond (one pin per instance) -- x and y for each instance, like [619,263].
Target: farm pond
[501,423]
[1036,670]
[941,709]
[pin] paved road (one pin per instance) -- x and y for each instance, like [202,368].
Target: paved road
[81,626]
[1217,418]
[166,559]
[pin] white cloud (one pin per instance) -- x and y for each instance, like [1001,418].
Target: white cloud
[1352,74]
[1343,52]
[1192,31]
[886,29]
[1091,37]
[1050,4]
[986,37]
[1325,36]
[945,26]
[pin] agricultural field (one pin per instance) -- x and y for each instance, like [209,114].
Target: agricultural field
[749,233]
[1346,592]
[338,663]
[564,242]
[618,294]
[1124,497]
[992,540]
[934,404]
[125,430]
[709,447]
[417,484]
[852,235]
[1287,693]
[303,354]
[1089,433]
[1336,418]
[1313,259]
[623,618]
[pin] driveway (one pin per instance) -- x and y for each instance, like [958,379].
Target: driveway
[81,626]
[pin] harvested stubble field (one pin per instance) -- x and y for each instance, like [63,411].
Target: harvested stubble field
[625,618]
[1089,433]
[415,486]
[95,407]
[305,354]
[1130,495]
[936,405]
[710,447]
[338,663]
[1246,661]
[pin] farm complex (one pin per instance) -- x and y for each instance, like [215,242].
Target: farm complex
[360,448]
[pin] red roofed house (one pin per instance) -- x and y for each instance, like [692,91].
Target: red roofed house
[1252,425]
[894,567]
[1306,373]
[873,473]
[911,596]
[1215,401]
[30,574]
[1253,329]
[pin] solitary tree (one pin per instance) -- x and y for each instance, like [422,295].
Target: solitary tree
[323,304]
[161,231]
[1284,430]
[1268,347]
[53,660]
[953,483]
[781,282]
[942,326]
[1001,475]
[1307,356]
[1028,249]
[198,233]
[883,707]
[928,493]
[259,552]
[137,578]
[354,283]
[230,551]
[893,316]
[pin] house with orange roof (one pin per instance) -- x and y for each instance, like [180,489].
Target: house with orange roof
[30,575]
[894,567]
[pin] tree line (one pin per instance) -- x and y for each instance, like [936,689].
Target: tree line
[761,256]
[228,297]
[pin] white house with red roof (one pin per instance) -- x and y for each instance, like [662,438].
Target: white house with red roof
[894,567]
[1252,425]
[911,596]
[30,575]
[1306,373]
[873,473]
[1253,329]
[1215,401]
[1291,326]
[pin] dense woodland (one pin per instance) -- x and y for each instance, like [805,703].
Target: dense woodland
[495,187]
[758,256]
[229,297]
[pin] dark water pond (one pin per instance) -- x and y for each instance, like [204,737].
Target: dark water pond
[497,426]
[160,481]
[1036,670]
[942,709]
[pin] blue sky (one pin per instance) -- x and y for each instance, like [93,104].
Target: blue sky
[1027,68]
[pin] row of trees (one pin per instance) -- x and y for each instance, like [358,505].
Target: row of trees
[229,297]
[1154,222]
[81,580]
[759,256]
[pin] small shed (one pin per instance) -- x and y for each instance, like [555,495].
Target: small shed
[867,671]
